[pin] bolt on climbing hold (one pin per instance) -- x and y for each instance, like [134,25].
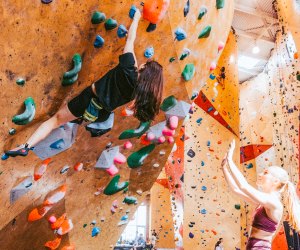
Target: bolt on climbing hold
[99,41]
[180,34]
[46,1]
[186,8]
[188,72]
[65,169]
[220,4]
[122,31]
[137,158]
[114,186]
[221,46]
[186,52]
[132,11]
[237,206]
[28,115]
[110,24]
[39,170]
[205,32]
[95,231]
[98,17]
[168,103]
[130,200]
[203,11]
[12,131]
[130,133]
[71,76]
[149,52]
[20,81]
[172,59]
[213,66]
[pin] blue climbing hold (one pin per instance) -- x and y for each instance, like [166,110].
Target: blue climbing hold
[99,41]
[4,157]
[132,11]
[212,76]
[191,235]
[180,34]
[202,163]
[122,31]
[95,231]
[149,52]
[202,231]
[124,217]
[250,165]
[204,188]
[203,211]
[59,144]
[199,120]
[208,143]
[210,109]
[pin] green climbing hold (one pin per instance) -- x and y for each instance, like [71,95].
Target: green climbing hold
[202,12]
[137,158]
[220,4]
[20,81]
[130,200]
[188,72]
[28,115]
[71,76]
[205,32]
[114,186]
[172,59]
[237,206]
[84,225]
[98,17]
[298,76]
[110,24]
[168,103]
[130,133]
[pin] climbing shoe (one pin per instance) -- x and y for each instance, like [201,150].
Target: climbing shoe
[19,152]
[97,132]
[92,112]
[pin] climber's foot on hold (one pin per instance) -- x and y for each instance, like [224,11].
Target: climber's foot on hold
[19,151]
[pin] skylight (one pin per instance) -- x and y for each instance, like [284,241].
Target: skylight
[247,62]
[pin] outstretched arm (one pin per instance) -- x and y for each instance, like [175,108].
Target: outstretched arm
[129,46]
[233,186]
[259,197]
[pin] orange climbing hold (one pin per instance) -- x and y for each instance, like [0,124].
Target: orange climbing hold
[53,244]
[78,166]
[155,10]
[144,140]
[68,247]
[56,196]
[65,227]
[38,213]
[214,232]
[40,170]
[59,222]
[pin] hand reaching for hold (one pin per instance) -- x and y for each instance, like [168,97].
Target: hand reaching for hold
[137,14]
[231,150]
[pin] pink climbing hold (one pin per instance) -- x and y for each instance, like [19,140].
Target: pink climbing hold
[161,139]
[150,136]
[127,145]
[119,159]
[173,122]
[213,66]
[52,219]
[113,170]
[168,132]
[170,140]
[220,46]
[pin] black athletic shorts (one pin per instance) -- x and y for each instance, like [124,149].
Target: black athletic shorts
[78,104]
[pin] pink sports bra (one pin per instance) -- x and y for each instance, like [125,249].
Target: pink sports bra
[263,222]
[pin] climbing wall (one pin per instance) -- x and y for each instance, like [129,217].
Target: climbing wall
[211,211]
[161,213]
[269,107]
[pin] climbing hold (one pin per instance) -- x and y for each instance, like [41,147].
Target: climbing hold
[39,170]
[46,1]
[127,145]
[210,109]
[298,76]
[144,126]
[130,200]
[149,52]
[250,165]
[20,81]
[4,157]
[122,31]
[188,72]
[237,206]
[71,76]
[65,227]
[212,76]
[172,122]
[110,24]
[124,217]
[28,115]
[220,4]
[161,139]
[191,235]
[78,166]
[151,27]
[155,10]
[139,192]
[186,52]
[203,11]
[95,231]
[205,32]
[155,165]
[180,34]
[65,169]
[53,244]
[172,59]
[213,66]
[24,185]
[170,140]
[191,153]
[113,170]
[12,131]
[150,136]
[137,158]
[99,42]
[199,120]
[119,158]
[98,17]
[186,8]
[202,163]
[168,103]
[221,46]
[59,144]
[114,186]
[132,11]
[203,188]
[168,132]
[203,211]
[208,143]
[71,247]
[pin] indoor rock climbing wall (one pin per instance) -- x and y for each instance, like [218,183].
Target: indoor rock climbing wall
[269,106]
[211,210]
[51,35]
[161,213]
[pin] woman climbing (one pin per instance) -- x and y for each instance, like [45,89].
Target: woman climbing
[125,83]
[275,192]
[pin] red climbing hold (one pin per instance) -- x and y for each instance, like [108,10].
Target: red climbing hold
[155,10]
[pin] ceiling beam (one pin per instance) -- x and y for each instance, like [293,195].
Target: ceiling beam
[252,35]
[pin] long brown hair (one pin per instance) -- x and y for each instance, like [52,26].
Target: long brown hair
[148,93]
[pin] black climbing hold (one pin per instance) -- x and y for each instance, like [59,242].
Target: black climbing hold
[191,153]
[186,9]
[151,27]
